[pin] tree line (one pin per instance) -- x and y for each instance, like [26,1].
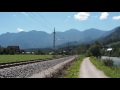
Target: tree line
[8,51]
[96,49]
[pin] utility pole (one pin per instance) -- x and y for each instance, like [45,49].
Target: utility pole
[54,41]
[68,49]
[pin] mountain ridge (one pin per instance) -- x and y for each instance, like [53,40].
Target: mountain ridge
[42,39]
[113,37]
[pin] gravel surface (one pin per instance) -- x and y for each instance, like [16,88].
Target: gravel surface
[24,71]
[52,72]
[88,70]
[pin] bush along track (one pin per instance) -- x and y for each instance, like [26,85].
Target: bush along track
[109,70]
[72,70]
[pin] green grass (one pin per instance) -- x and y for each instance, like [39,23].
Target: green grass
[112,72]
[13,58]
[73,70]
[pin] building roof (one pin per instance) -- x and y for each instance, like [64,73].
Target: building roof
[109,49]
[13,47]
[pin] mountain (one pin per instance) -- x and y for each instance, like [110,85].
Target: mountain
[92,34]
[74,35]
[113,37]
[41,39]
[32,39]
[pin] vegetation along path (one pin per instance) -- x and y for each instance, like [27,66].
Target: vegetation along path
[88,70]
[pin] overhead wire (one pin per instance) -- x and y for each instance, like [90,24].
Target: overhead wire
[38,20]
[45,20]
[31,24]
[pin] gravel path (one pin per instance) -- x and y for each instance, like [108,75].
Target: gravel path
[24,71]
[88,70]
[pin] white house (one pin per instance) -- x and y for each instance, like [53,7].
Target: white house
[109,49]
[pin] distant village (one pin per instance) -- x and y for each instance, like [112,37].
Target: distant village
[11,50]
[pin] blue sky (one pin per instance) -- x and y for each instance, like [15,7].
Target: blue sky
[14,22]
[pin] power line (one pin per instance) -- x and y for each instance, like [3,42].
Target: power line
[53,33]
[54,39]
[38,17]
[39,21]
[29,24]
[45,19]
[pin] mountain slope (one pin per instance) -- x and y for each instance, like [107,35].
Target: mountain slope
[26,39]
[74,35]
[92,34]
[41,39]
[113,37]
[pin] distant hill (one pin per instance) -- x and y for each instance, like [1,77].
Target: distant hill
[74,35]
[92,34]
[41,39]
[32,39]
[113,37]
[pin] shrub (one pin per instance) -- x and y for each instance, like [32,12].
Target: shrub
[108,62]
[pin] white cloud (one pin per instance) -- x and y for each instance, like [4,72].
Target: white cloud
[68,16]
[24,13]
[20,29]
[82,16]
[104,15]
[116,18]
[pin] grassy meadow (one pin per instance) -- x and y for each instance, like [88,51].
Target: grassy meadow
[14,58]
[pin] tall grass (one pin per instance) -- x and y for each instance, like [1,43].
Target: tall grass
[110,71]
[73,70]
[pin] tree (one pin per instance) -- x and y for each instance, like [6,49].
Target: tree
[81,49]
[95,49]
[39,52]
[1,50]
[119,52]
[5,51]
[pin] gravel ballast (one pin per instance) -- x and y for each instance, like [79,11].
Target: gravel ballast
[24,71]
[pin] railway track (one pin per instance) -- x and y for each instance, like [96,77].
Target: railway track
[26,69]
[13,64]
